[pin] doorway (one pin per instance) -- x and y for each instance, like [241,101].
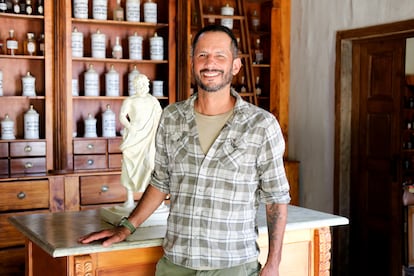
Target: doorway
[367,189]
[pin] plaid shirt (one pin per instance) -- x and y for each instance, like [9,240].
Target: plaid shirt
[215,197]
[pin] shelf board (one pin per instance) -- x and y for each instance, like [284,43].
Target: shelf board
[123,60]
[22,57]
[21,16]
[120,23]
[108,98]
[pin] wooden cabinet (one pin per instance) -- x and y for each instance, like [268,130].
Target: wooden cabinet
[79,106]
[18,198]
[14,104]
[22,160]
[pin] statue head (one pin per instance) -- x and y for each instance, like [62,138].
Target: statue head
[141,85]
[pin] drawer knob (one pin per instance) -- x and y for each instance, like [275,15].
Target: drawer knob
[90,146]
[21,195]
[104,188]
[90,162]
[28,165]
[27,148]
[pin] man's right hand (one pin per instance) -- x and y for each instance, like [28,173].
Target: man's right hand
[109,236]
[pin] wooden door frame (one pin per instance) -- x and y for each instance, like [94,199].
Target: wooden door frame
[343,116]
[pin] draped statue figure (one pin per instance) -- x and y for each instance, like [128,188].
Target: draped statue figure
[139,114]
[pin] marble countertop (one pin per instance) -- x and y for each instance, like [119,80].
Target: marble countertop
[57,233]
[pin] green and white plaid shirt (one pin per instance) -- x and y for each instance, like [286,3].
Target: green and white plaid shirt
[215,197]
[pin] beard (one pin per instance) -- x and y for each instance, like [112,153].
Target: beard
[227,78]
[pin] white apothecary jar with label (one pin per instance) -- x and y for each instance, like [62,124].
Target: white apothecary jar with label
[98,45]
[91,86]
[108,122]
[31,124]
[156,47]
[112,82]
[7,128]
[90,126]
[77,43]
[28,84]
[131,76]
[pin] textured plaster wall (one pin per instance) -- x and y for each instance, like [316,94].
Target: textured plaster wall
[314,24]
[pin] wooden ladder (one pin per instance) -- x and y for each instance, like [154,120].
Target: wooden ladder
[244,44]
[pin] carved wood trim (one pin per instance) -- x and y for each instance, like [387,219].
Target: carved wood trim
[84,266]
[322,243]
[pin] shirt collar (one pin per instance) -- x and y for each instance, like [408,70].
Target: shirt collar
[241,106]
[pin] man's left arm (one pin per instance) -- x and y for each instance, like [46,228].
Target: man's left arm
[276,215]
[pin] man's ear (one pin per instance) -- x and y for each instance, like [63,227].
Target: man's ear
[237,64]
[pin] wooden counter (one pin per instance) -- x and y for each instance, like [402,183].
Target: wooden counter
[52,247]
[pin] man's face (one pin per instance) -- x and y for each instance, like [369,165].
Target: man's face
[213,64]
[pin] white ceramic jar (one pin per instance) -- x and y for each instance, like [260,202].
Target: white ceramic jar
[98,45]
[108,122]
[28,84]
[150,12]
[158,88]
[91,87]
[90,126]
[77,43]
[100,9]
[135,46]
[131,77]
[112,82]
[133,10]
[31,124]
[227,10]
[156,47]
[7,128]
[80,9]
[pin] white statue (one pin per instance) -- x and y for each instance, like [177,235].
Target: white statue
[140,114]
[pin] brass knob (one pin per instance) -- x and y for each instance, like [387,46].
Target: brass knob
[90,146]
[28,165]
[27,148]
[21,195]
[90,162]
[104,188]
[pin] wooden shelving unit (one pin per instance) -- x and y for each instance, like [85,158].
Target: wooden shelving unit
[78,107]
[24,186]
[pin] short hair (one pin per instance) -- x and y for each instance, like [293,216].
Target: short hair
[217,28]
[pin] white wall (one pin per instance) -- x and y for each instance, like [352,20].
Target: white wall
[314,24]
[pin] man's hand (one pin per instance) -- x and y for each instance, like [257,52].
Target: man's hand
[269,270]
[109,236]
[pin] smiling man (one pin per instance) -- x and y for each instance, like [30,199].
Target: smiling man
[218,157]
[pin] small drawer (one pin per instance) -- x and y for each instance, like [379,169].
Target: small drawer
[28,165]
[9,235]
[23,149]
[89,146]
[4,150]
[101,189]
[4,166]
[89,162]
[21,195]
[113,145]
[115,161]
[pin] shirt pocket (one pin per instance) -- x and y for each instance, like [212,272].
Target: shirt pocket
[234,154]
[177,147]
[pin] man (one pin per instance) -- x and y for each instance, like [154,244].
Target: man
[217,157]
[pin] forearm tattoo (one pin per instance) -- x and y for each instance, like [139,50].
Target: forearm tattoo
[273,214]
